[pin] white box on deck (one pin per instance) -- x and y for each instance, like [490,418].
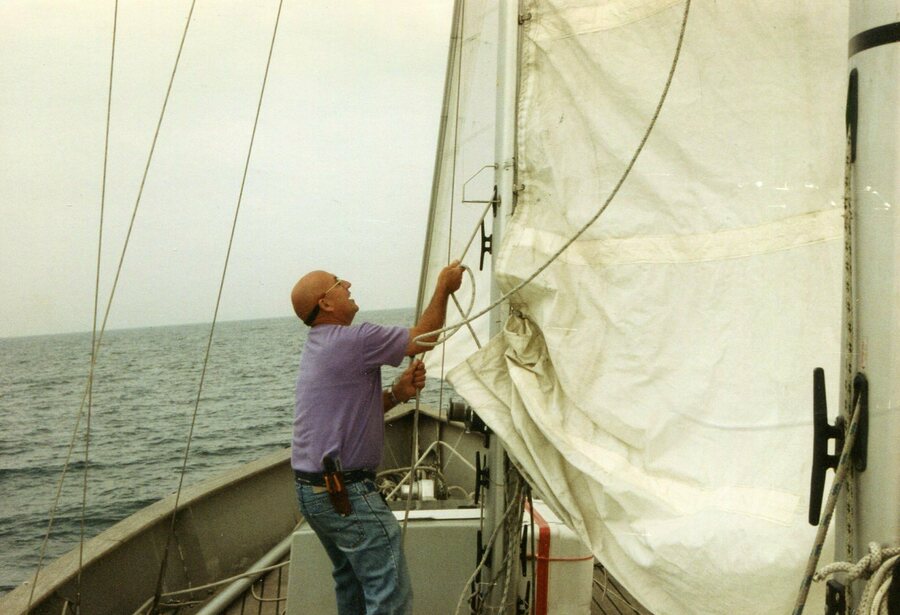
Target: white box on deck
[440,553]
[564,567]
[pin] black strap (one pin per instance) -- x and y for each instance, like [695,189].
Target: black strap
[874,37]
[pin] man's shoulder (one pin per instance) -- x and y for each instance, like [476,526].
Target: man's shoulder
[371,328]
[360,331]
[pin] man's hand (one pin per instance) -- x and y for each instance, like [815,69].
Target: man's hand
[432,318]
[450,277]
[411,380]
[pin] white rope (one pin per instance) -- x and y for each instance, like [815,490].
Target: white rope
[876,567]
[863,568]
[237,577]
[511,508]
[262,598]
[882,580]
[840,475]
[213,585]
[453,328]
[420,339]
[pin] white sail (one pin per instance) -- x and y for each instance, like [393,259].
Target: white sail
[655,384]
[464,175]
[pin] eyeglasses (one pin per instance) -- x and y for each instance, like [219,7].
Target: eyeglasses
[311,317]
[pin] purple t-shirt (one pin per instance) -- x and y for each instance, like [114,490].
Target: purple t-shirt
[338,410]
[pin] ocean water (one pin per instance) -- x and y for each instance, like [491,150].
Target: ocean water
[145,387]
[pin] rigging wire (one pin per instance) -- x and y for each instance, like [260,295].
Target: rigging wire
[216,310]
[421,458]
[456,48]
[94,349]
[640,148]
[90,386]
[459,30]
[513,509]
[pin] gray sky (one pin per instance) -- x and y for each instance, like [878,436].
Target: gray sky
[339,179]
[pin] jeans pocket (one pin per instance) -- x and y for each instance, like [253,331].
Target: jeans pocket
[346,532]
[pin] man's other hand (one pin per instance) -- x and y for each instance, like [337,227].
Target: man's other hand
[411,380]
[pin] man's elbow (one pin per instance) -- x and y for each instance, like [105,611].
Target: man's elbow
[416,337]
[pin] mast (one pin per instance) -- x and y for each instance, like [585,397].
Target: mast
[868,511]
[504,175]
[452,59]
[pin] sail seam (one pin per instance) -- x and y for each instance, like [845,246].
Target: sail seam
[789,234]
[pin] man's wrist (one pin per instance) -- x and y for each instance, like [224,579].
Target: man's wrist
[390,391]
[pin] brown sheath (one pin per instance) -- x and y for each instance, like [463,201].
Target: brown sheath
[334,484]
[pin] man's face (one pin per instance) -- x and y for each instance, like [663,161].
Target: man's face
[338,297]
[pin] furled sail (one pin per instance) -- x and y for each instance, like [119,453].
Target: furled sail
[655,382]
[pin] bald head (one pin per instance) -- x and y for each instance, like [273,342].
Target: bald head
[328,293]
[307,291]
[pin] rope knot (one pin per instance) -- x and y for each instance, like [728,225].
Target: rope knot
[864,568]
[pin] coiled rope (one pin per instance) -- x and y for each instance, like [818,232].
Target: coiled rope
[879,566]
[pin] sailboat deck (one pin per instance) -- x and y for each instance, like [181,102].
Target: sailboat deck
[268,596]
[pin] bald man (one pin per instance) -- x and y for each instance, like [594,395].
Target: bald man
[338,417]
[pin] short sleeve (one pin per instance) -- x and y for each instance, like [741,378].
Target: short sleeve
[383,345]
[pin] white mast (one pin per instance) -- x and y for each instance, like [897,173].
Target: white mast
[874,511]
[504,148]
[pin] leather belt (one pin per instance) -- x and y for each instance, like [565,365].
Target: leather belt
[317,479]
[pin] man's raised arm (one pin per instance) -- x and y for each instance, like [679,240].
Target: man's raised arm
[432,318]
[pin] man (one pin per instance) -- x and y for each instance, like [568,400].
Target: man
[338,419]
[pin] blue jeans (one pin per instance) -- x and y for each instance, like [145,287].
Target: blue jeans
[370,574]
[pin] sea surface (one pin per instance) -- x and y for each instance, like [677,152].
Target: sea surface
[145,389]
